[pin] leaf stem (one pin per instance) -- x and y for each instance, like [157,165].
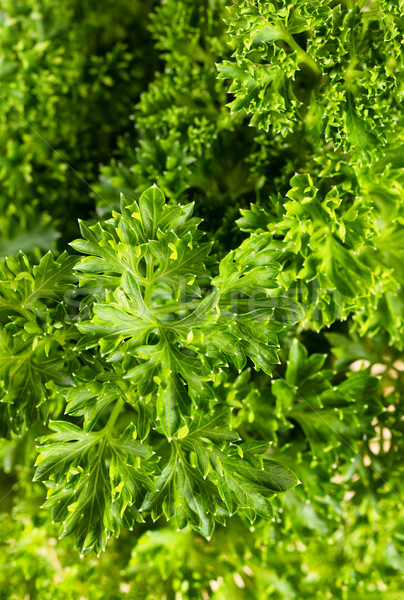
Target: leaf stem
[302,54]
[114,415]
[149,276]
[176,307]
[289,39]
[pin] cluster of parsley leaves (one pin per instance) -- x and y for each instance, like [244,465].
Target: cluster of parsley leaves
[230,322]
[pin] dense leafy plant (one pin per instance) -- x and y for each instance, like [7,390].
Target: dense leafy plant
[329,80]
[161,342]
[228,406]
[64,69]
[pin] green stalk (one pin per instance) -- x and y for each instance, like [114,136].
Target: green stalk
[114,415]
[176,307]
[149,275]
[302,54]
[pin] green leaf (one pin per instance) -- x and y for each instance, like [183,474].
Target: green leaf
[90,400]
[151,205]
[36,336]
[93,482]
[359,132]
[170,399]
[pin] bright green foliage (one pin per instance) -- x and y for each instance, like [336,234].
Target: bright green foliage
[335,68]
[256,563]
[36,564]
[330,416]
[325,240]
[68,80]
[172,335]
[309,409]
[187,141]
[94,481]
[167,380]
[341,251]
[35,336]
[165,330]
